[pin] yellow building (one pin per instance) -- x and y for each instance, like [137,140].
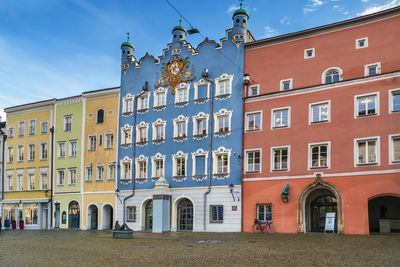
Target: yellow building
[27,181]
[100,156]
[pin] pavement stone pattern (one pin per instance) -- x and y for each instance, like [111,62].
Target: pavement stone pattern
[98,248]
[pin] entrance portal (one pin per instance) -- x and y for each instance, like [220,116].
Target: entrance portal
[107,217]
[148,222]
[319,202]
[73,215]
[185,215]
[93,215]
[384,214]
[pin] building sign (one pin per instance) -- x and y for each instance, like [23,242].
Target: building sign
[175,72]
[330,222]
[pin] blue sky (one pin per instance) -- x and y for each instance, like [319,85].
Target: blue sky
[58,48]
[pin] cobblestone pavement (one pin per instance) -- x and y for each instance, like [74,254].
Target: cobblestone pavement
[98,248]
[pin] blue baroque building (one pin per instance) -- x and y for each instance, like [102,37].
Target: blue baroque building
[180,134]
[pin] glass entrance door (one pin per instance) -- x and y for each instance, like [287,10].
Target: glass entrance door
[185,215]
[149,215]
[319,207]
[73,215]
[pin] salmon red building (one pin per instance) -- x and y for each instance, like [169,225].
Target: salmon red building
[322,127]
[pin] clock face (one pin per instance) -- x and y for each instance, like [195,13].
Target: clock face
[174,68]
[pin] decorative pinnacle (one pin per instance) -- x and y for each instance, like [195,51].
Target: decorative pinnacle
[180,22]
[127,36]
[241,4]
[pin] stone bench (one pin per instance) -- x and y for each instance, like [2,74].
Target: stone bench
[124,234]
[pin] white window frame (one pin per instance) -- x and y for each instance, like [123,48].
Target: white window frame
[306,56]
[365,39]
[31,175]
[340,71]
[139,127]
[391,99]
[246,163]
[70,170]
[41,151]
[109,135]
[391,149]
[65,123]
[89,175]
[180,119]
[30,133]
[248,114]
[273,127]
[222,112]
[20,157]
[20,178]
[251,87]
[90,136]
[221,151]
[71,150]
[42,123]
[9,182]
[100,166]
[11,132]
[200,116]
[31,156]
[182,86]
[139,160]
[156,93]
[140,106]
[154,158]
[222,78]
[163,124]
[21,128]
[377,106]
[112,171]
[44,172]
[199,152]
[328,156]
[175,157]
[196,86]
[127,109]
[272,158]
[310,112]
[377,65]
[124,140]
[10,156]
[265,217]
[131,216]
[58,177]
[282,84]
[377,142]
[59,150]
[123,162]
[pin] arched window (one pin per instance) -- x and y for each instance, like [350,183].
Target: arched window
[332,75]
[100,116]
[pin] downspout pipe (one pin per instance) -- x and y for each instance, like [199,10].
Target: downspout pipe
[210,134]
[133,166]
[3,172]
[51,173]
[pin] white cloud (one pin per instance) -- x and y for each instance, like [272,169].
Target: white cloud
[364,1]
[269,32]
[232,8]
[2,115]
[312,5]
[340,9]
[377,8]
[285,20]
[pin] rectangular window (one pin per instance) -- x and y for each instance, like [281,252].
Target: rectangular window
[73,148]
[20,153]
[264,212]
[10,154]
[131,214]
[253,161]
[159,168]
[223,124]
[366,105]
[89,173]
[21,128]
[112,168]
[68,123]
[10,182]
[181,128]
[20,182]
[11,132]
[31,181]
[200,165]
[216,214]
[319,112]
[280,118]
[201,126]
[44,127]
[224,87]
[142,135]
[280,159]
[367,151]
[126,171]
[202,91]
[60,177]
[159,132]
[143,102]
[182,95]
[31,151]
[72,176]
[128,105]
[362,43]
[394,100]
[44,180]
[254,121]
[254,90]
[126,137]
[160,99]
[61,150]
[43,151]
[286,84]
[395,147]
[31,214]
[92,143]
[32,127]
[142,170]
[309,53]
[319,155]
[180,168]
[109,140]
[100,173]
[222,164]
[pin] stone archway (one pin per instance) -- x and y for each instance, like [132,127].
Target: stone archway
[107,216]
[325,189]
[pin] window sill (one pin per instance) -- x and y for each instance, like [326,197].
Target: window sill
[72,156]
[201,99]
[71,184]
[182,103]
[43,159]
[159,107]
[88,181]
[126,144]
[159,140]
[199,175]
[252,172]
[141,143]
[126,113]
[91,150]
[253,130]
[179,176]
[221,174]
[318,167]
[367,115]
[222,96]
[318,122]
[108,148]
[366,164]
[280,170]
[216,221]
[143,110]
[200,135]
[222,132]
[180,137]
[99,180]
[280,127]
[125,180]
[130,220]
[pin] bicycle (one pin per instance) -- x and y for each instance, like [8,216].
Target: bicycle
[260,227]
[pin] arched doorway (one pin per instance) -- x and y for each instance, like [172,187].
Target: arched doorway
[93,216]
[185,215]
[314,202]
[148,215]
[384,214]
[107,217]
[73,215]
